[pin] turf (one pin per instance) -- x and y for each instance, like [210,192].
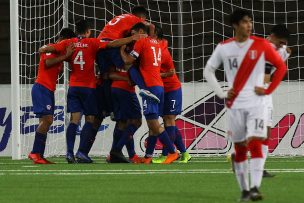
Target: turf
[207,180]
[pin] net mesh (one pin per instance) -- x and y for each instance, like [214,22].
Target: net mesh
[193,29]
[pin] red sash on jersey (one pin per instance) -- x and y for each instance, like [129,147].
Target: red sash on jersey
[252,56]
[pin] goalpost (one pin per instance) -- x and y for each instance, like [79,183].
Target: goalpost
[193,28]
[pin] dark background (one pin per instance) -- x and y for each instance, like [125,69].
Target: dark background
[205,23]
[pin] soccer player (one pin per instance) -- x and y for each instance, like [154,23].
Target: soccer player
[81,93]
[172,101]
[244,59]
[50,66]
[127,114]
[117,28]
[278,38]
[148,51]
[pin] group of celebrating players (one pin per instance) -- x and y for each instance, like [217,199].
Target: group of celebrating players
[130,51]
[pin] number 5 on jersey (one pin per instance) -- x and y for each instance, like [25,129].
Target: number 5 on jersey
[79,60]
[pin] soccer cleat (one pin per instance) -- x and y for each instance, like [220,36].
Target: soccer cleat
[255,194]
[159,160]
[148,95]
[170,158]
[135,159]
[266,174]
[83,158]
[245,197]
[70,158]
[146,160]
[118,157]
[38,159]
[185,158]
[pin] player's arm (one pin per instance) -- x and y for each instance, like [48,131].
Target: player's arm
[275,59]
[127,58]
[54,48]
[170,73]
[49,62]
[213,63]
[124,41]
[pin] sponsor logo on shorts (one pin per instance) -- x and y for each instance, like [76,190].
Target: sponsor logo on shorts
[48,107]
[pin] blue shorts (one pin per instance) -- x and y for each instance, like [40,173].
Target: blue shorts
[151,109]
[82,99]
[103,99]
[43,100]
[125,105]
[107,58]
[173,102]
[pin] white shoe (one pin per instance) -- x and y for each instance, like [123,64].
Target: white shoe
[148,95]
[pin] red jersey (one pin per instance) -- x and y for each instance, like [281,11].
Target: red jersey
[47,76]
[121,84]
[82,60]
[119,26]
[148,50]
[170,83]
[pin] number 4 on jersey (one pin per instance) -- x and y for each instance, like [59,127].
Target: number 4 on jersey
[79,60]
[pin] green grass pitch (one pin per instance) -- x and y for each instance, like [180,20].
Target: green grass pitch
[207,180]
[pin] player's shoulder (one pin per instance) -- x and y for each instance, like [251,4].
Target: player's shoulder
[227,41]
[163,43]
[259,39]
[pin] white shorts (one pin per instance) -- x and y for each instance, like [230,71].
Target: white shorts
[268,110]
[245,123]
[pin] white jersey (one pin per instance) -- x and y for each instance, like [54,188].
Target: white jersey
[231,54]
[282,51]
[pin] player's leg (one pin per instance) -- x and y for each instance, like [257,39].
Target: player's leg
[126,107]
[97,120]
[152,112]
[139,81]
[133,157]
[43,106]
[88,100]
[74,107]
[269,110]
[237,132]
[256,133]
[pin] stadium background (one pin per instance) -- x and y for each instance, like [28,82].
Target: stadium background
[205,32]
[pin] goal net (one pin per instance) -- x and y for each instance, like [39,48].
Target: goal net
[193,28]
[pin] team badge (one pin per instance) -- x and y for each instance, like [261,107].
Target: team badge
[48,107]
[253,54]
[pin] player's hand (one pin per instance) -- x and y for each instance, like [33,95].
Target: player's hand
[139,36]
[231,94]
[122,48]
[69,50]
[259,91]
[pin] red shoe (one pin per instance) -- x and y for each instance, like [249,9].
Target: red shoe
[145,160]
[37,159]
[171,158]
[135,159]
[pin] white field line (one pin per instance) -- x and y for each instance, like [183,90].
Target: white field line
[192,161]
[132,172]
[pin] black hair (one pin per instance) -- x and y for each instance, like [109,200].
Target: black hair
[159,32]
[140,26]
[82,26]
[67,33]
[280,31]
[238,15]
[139,10]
